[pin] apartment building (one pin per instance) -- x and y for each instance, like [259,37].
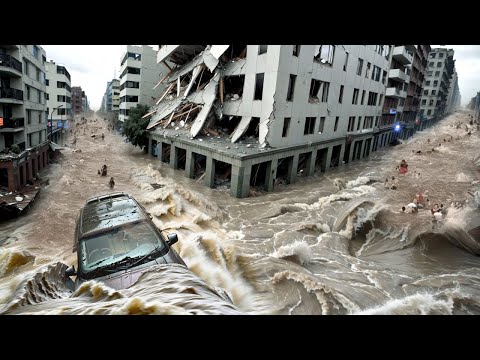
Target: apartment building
[23,122]
[77,93]
[140,74]
[416,72]
[453,98]
[440,69]
[260,114]
[59,101]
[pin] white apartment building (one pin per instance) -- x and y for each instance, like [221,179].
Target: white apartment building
[22,96]
[139,75]
[59,103]
[288,109]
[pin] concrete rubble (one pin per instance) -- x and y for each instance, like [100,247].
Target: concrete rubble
[199,93]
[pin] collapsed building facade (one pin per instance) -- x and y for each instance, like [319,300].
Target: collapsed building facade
[259,115]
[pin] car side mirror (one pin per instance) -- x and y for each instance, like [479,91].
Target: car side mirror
[71,271]
[172,239]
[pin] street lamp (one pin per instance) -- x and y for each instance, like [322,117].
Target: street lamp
[51,122]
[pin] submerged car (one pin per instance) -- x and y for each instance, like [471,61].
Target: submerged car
[116,242]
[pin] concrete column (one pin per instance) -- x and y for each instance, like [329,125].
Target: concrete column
[350,156]
[293,169]
[150,143]
[173,157]
[271,174]
[362,149]
[342,154]
[329,158]
[310,166]
[240,185]
[210,172]
[11,179]
[190,164]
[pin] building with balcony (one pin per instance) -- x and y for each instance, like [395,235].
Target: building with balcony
[440,69]
[23,122]
[140,74]
[410,120]
[257,115]
[401,59]
[59,102]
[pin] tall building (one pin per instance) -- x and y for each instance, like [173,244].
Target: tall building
[436,85]
[416,72]
[271,111]
[85,103]
[115,95]
[77,94]
[59,103]
[453,98]
[140,73]
[23,122]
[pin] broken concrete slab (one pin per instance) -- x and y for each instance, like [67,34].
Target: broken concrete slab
[209,95]
[241,128]
[218,50]
[236,67]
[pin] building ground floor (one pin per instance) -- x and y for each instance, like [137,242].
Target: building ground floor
[16,172]
[262,169]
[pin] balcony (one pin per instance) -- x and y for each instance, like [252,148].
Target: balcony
[12,125]
[401,55]
[395,93]
[11,96]
[398,75]
[10,66]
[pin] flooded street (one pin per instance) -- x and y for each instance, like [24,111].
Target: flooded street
[308,248]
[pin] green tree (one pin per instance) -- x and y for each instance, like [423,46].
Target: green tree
[134,128]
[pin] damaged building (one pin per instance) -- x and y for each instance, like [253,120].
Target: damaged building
[254,116]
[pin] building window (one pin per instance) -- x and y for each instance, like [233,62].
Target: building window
[367,71]
[435,83]
[47,82]
[28,91]
[262,49]
[359,122]
[286,127]
[27,68]
[40,136]
[380,100]
[340,96]
[425,92]
[427,83]
[363,97]
[325,88]
[434,92]
[309,125]
[61,111]
[440,55]
[322,125]
[359,66]
[432,55]
[346,62]
[30,140]
[291,87]
[372,98]
[47,97]
[384,77]
[424,102]
[38,74]
[355,96]
[429,112]
[351,123]
[336,124]
[437,73]
[35,51]
[39,117]
[376,120]
[431,103]
[29,116]
[314,88]
[324,54]
[296,50]
[431,64]
[39,93]
[44,59]
[439,64]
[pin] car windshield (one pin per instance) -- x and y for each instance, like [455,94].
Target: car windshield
[129,242]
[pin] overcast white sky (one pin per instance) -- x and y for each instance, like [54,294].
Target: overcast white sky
[91,66]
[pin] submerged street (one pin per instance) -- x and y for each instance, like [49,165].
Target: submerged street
[315,247]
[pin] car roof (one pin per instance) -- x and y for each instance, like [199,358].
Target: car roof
[104,212]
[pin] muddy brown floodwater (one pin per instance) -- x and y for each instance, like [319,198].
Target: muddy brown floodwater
[308,248]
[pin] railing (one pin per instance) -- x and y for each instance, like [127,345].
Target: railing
[11,93]
[13,123]
[9,61]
